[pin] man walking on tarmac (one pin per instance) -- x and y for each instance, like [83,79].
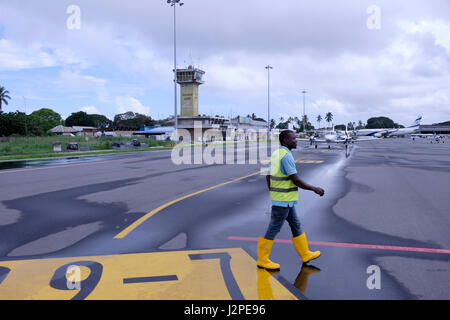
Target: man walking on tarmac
[283,183]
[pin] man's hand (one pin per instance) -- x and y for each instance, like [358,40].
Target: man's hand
[319,191]
[303,185]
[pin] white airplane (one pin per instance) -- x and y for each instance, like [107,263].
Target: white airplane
[378,133]
[331,137]
[414,127]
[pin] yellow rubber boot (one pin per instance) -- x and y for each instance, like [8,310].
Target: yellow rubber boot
[301,245]
[264,248]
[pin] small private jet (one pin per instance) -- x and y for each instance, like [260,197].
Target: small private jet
[335,137]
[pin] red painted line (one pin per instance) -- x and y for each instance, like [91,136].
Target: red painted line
[354,245]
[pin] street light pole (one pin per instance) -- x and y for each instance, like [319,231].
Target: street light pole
[268,67]
[174,3]
[304,127]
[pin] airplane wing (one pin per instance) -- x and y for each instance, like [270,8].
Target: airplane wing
[422,135]
[365,139]
[327,141]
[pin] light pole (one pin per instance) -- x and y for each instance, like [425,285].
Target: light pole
[268,67]
[304,127]
[174,4]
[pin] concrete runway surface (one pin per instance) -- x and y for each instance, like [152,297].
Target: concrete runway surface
[138,226]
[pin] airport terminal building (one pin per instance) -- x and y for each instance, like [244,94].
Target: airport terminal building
[434,129]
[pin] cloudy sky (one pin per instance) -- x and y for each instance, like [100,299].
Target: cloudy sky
[355,58]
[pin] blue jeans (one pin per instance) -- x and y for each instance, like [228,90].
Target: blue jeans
[279,214]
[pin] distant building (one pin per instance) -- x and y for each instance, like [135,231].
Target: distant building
[155,133]
[435,128]
[64,131]
[240,127]
[80,131]
[200,124]
[85,131]
[120,131]
[246,123]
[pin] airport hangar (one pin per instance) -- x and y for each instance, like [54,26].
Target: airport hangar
[435,128]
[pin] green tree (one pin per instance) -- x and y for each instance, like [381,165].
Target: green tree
[100,121]
[272,123]
[282,125]
[329,117]
[351,126]
[380,122]
[319,119]
[163,122]
[305,118]
[14,123]
[79,119]
[4,97]
[132,120]
[44,119]
[445,123]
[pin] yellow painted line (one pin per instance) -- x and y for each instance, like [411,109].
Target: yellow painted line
[138,222]
[215,274]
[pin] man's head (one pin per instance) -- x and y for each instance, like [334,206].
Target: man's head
[288,139]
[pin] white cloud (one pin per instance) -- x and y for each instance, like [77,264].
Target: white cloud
[90,110]
[440,30]
[14,57]
[125,104]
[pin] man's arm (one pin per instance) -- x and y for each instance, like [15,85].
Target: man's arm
[268,181]
[303,185]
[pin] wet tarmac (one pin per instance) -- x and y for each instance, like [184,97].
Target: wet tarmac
[27,164]
[382,199]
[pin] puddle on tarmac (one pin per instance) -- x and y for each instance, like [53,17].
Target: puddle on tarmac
[44,163]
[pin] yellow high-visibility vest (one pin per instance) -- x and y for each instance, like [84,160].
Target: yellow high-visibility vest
[281,186]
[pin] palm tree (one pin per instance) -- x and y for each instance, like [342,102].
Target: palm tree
[272,123]
[329,117]
[319,119]
[3,96]
[305,121]
[360,125]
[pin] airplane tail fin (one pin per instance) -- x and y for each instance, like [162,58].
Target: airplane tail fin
[416,122]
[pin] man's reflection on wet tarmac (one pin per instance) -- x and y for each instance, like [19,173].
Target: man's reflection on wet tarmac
[301,282]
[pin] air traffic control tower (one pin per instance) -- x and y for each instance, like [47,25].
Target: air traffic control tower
[189,80]
[190,120]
